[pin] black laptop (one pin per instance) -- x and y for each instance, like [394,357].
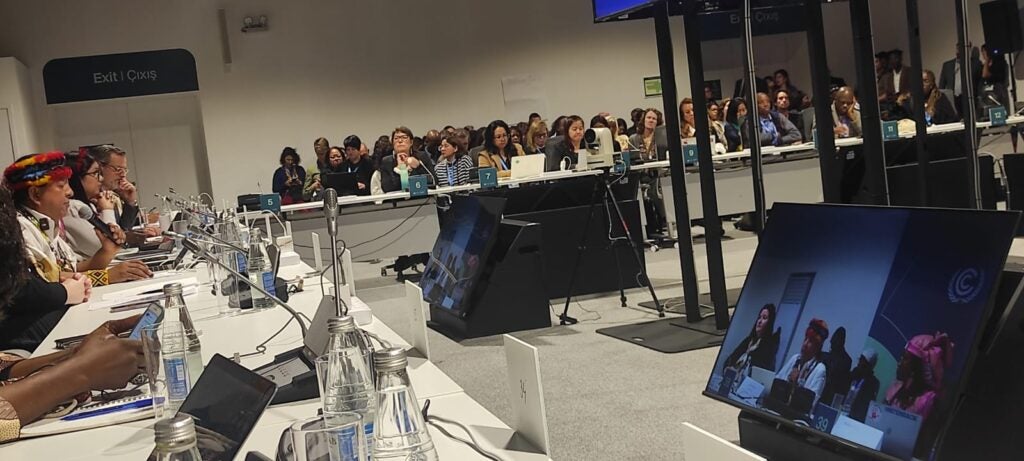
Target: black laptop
[343,183]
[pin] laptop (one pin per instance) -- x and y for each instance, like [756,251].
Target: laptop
[226,403]
[343,183]
[528,166]
[526,392]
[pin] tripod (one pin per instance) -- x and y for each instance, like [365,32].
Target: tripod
[603,192]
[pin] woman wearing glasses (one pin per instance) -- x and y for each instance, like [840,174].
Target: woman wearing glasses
[403,162]
[499,149]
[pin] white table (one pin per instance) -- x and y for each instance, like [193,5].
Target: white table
[241,333]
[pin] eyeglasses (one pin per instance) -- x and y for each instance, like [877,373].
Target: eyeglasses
[401,137]
[95,174]
[117,169]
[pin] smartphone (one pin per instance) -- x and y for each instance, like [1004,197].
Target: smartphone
[154,314]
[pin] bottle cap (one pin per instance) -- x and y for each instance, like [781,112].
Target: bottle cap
[390,359]
[340,324]
[172,289]
[177,429]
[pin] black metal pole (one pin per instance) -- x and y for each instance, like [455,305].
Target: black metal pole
[666,61]
[917,99]
[828,160]
[969,109]
[756,164]
[870,119]
[709,197]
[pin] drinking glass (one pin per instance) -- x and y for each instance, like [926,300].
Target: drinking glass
[338,437]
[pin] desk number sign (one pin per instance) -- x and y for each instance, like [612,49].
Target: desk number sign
[271,203]
[488,178]
[997,115]
[418,186]
[890,131]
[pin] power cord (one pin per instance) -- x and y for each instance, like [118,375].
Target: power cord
[399,226]
[471,443]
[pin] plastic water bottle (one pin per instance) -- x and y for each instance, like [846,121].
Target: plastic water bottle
[349,383]
[234,259]
[175,310]
[399,431]
[176,439]
[261,272]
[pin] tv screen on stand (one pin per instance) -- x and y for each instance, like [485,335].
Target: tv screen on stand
[467,233]
[859,324]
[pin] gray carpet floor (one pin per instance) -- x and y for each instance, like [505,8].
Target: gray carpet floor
[606,399]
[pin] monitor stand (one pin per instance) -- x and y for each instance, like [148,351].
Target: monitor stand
[779,443]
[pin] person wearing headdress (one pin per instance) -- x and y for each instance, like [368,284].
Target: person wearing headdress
[919,374]
[806,369]
[41,191]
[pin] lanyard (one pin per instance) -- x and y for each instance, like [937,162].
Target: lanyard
[451,173]
[504,166]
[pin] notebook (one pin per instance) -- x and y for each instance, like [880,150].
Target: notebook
[60,425]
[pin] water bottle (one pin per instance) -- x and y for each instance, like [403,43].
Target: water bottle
[349,382]
[235,260]
[175,310]
[261,272]
[176,439]
[399,431]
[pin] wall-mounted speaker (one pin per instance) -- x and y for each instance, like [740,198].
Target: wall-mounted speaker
[1001,21]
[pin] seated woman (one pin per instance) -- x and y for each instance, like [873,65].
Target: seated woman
[453,166]
[402,162]
[759,348]
[39,186]
[290,178]
[356,163]
[30,307]
[599,121]
[88,196]
[536,138]
[33,388]
[643,140]
[735,118]
[565,146]
[499,149]
[919,374]
[938,109]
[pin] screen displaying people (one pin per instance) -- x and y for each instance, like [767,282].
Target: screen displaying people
[861,329]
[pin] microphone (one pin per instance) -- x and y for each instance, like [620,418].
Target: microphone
[192,246]
[85,212]
[331,211]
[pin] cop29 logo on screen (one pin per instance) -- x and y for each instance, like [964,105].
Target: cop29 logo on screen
[965,285]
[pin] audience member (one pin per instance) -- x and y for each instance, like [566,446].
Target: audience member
[896,80]
[837,367]
[454,166]
[637,117]
[644,141]
[356,164]
[845,115]
[735,120]
[623,127]
[431,141]
[687,125]
[864,386]
[335,158]
[476,138]
[498,149]
[515,136]
[536,138]
[534,118]
[114,164]
[461,137]
[566,145]
[290,178]
[39,187]
[937,107]
[381,149]
[881,66]
[403,162]
[88,196]
[599,121]
[522,128]
[618,134]
[321,147]
[418,146]
[558,127]
[30,307]
[774,129]
[450,130]
[805,368]
[709,92]
[782,82]
[950,77]
[783,105]
[715,122]
[994,79]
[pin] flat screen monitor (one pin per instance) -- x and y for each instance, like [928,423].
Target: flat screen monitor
[605,9]
[859,324]
[467,234]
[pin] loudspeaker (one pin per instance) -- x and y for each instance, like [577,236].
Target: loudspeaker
[1001,22]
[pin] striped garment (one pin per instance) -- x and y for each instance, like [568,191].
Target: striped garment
[453,173]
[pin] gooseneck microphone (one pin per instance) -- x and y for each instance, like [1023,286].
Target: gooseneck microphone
[192,246]
[331,212]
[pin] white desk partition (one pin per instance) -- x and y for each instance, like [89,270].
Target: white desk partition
[701,445]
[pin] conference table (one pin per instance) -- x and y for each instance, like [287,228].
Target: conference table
[240,333]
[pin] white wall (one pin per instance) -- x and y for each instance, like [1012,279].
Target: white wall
[335,67]
[16,97]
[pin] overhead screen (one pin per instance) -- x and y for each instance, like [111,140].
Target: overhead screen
[860,327]
[604,9]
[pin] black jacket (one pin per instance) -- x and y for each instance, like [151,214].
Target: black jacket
[390,181]
[33,313]
[762,357]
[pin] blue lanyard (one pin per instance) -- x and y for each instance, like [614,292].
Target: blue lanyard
[504,166]
[451,174]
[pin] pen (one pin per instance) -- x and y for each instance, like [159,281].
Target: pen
[104,411]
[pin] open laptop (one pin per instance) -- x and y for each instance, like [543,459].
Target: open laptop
[528,166]
[526,393]
[226,403]
[343,183]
